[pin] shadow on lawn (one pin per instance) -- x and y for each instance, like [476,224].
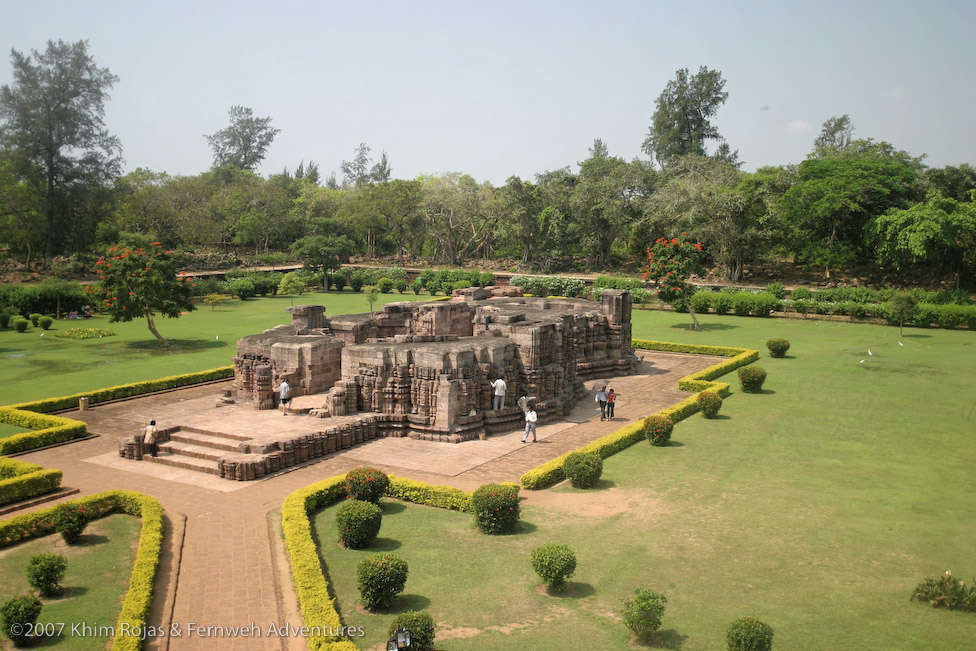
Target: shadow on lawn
[703,327]
[176,346]
[668,639]
[390,508]
[385,545]
[573,590]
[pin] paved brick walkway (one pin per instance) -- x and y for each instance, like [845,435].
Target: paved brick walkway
[223,562]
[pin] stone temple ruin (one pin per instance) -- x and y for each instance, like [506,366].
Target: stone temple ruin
[424,370]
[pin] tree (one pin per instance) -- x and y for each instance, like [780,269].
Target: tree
[391,208]
[323,252]
[371,292]
[938,232]
[244,143]
[356,173]
[381,172]
[52,123]
[669,264]
[139,283]
[953,182]
[460,215]
[681,122]
[902,306]
[290,285]
[836,135]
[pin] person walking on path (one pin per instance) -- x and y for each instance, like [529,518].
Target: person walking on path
[500,388]
[530,419]
[611,399]
[149,439]
[601,397]
[284,393]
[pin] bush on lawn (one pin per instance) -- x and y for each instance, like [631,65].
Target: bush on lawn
[583,469]
[721,302]
[777,347]
[366,484]
[496,508]
[45,571]
[554,563]
[701,301]
[658,429]
[34,318]
[749,634]
[643,613]
[751,378]
[385,285]
[709,403]
[421,627]
[45,322]
[358,523]
[20,325]
[18,615]
[380,578]
[70,521]
[946,592]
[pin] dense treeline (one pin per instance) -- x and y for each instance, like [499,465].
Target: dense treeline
[850,201]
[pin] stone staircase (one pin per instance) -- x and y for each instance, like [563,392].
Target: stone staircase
[192,448]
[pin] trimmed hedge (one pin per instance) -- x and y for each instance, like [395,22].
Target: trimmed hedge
[20,480]
[551,472]
[135,606]
[49,429]
[443,497]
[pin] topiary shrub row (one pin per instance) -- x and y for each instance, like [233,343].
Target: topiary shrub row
[20,480]
[741,303]
[549,285]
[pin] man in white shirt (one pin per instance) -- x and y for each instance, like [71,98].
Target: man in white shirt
[284,393]
[530,418]
[500,387]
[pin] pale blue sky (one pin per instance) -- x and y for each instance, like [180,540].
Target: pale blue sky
[494,89]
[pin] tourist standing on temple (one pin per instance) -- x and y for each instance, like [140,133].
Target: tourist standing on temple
[284,392]
[611,400]
[500,388]
[601,397]
[149,438]
[530,419]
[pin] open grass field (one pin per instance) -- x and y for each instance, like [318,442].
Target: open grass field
[98,574]
[817,505]
[36,367]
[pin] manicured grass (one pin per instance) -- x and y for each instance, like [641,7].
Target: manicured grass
[97,578]
[817,505]
[9,430]
[40,367]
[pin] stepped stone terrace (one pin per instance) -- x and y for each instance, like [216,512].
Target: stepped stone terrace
[417,369]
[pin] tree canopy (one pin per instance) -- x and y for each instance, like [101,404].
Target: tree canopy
[244,143]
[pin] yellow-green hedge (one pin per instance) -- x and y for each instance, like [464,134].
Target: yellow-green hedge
[20,480]
[135,606]
[551,472]
[444,497]
[56,429]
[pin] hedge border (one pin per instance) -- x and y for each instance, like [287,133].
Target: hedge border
[138,598]
[25,480]
[551,472]
[49,429]
[317,606]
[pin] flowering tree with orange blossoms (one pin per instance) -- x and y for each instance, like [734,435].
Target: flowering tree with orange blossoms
[141,283]
[669,264]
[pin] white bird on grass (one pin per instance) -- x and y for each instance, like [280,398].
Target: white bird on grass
[861,362]
[900,344]
[869,352]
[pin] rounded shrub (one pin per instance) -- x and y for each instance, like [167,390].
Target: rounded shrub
[742,303]
[801,294]
[358,523]
[417,286]
[764,303]
[721,302]
[339,281]
[751,378]
[658,429]
[777,347]
[421,627]
[18,616]
[4,319]
[34,318]
[400,284]
[496,508]
[643,613]
[709,403]
[554,563]
[242,288]
[777,290]
[45,322]
[20,325]
[357,280]
[70,521]
[385,285]
[45,571]
[366,484]
[749,634]
[380,578]
[701,301]
[583,469]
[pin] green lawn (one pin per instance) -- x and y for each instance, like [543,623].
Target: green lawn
[40,367]
[817,505]
[97,578]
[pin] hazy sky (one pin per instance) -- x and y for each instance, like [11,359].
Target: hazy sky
[494,89]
